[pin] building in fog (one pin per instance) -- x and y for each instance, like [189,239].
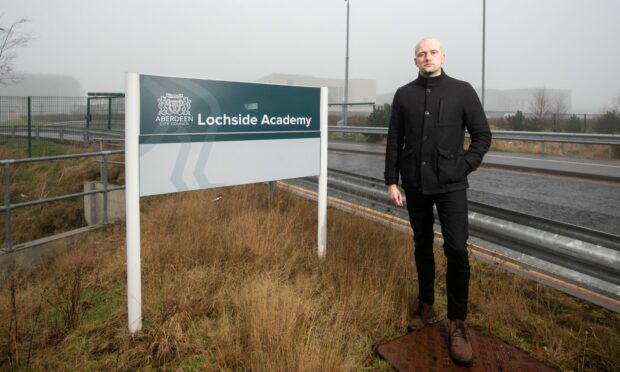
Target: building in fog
[508,101]
[360,90]
[43,85]
[513,100]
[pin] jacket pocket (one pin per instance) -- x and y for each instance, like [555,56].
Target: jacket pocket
[407,152]
[451,166]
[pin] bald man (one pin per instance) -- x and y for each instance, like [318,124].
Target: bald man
[425,148]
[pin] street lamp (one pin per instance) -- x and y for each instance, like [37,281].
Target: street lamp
[346,74]
[484,13]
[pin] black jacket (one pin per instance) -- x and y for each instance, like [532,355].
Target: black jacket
[426,133]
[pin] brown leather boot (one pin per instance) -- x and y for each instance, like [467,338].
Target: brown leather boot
[423,315]
[460,347]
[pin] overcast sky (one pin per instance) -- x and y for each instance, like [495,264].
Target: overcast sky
[567,44]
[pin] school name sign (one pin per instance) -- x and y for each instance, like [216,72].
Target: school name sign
[197,134]
[185,134]
[235,120]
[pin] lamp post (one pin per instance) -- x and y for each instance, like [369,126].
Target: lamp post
[346,75]
[484,12]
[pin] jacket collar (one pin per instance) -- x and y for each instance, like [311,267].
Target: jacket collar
[432,81]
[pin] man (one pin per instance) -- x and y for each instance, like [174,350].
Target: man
[425,145]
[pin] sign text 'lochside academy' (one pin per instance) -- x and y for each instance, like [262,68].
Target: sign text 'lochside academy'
[213,110]
[235,120]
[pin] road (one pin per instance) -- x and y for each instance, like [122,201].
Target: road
[582,192]
[598,169]
[579,201]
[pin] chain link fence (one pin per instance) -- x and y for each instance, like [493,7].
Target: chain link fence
[36,126]
[607,123]
[40,126]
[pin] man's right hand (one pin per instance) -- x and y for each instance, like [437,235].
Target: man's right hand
[395,195]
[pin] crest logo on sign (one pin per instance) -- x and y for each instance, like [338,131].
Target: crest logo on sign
[174,109]
[174,104]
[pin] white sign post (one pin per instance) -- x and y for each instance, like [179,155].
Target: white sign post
[184,134]
[132,200]
[322,223]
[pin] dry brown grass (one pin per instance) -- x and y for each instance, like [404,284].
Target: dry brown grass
[561,149]
[40,180]
[236,285]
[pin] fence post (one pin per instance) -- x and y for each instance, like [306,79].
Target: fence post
[555,123]
[104,179]
[584,123]
[29,129]
[7,205]
[273,189]
[109,113]
[88,112]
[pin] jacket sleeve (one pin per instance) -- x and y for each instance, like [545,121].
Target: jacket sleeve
[478,128]
[395,139]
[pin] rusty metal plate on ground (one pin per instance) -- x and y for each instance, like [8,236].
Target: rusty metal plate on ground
[427,350]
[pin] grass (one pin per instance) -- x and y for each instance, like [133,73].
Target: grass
[561,149]
[17,148]
[236,285]
[587,151]
[34,181]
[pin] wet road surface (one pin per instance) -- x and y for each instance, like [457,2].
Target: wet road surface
[578,201]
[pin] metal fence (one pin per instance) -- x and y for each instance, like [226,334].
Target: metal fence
[576,260]
[31,126]
[361,114]
[608,123]
[105,113]
[8,206]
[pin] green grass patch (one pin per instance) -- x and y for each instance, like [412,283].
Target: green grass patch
[18,147]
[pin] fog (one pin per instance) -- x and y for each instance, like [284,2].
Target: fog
[555,44]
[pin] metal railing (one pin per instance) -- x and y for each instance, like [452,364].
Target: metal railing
[59,131]
[577,260]
[580,261]
[7,206]
[582,138]
[66,132]
[28,115]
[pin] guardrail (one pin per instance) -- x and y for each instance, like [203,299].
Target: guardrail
[64,131]
[61,132]
[576,260]
[582,138]
[7,206]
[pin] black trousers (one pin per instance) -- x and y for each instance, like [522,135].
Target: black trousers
[452,211]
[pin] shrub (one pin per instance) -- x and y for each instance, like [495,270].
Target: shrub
[574,125]
[380,117]
[608,123]
[516,121]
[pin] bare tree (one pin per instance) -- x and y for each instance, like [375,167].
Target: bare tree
[559,104]
[615,104]
[540,105]
[558,107]
[11,39]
